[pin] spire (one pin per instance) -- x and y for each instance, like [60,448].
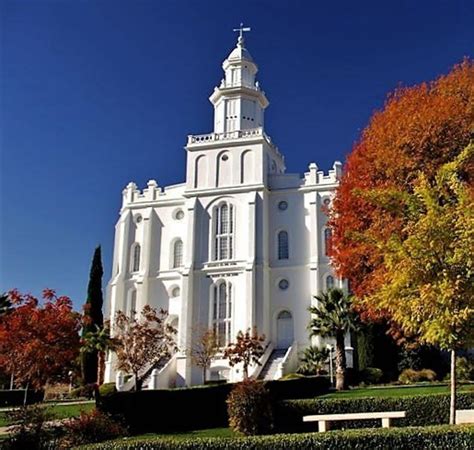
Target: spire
[241,30]
[238,101]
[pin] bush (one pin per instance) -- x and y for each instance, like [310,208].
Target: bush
[177,407]
[371,375]
[249,408]
[431,438]
[421,357]
[16,397]
[421,410]
[89,427]
[107,389]
[465,369]
[291,376]
[414,376]
[29,430]
[87,391]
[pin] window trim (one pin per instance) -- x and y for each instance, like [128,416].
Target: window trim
[135,257]
[283,250]
[223,233]
[215,312]
[176,264]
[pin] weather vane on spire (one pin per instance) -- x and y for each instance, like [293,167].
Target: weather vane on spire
[241,30]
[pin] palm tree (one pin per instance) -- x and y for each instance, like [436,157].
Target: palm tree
[333,318]
[98,341]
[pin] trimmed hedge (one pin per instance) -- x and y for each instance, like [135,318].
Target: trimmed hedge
[431,409]
[431,438]
[16,397]
[194,408]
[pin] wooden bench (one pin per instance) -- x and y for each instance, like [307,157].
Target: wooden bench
[324,419]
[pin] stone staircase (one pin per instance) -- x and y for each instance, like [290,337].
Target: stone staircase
[271,366]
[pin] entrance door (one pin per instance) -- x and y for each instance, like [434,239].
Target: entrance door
[284,330]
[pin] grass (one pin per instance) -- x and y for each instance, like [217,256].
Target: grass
[397,391]
[59,411]
[211,432]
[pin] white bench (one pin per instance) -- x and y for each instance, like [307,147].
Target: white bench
[324,419]
[464,416]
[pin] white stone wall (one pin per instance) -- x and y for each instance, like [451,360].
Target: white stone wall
[243,167]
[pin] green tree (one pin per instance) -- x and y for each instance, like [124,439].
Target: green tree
[93,317]
[333,317]
[429,289]
[313,360]
[98,342]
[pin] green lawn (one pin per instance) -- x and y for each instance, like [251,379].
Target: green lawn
[397,391]
[211,432]
[59,411]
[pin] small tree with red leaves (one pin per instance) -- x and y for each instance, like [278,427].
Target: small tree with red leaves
[39,342]
[247,349]
[143,342]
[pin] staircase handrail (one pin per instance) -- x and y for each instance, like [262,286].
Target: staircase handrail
[255,371]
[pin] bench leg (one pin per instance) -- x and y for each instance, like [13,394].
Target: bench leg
[322,426]
[386,422]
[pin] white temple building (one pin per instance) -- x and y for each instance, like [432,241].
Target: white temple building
[239,244]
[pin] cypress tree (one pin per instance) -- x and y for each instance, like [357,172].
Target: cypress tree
[93,316]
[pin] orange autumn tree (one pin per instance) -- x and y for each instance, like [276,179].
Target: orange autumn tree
[418,130]
[39,341]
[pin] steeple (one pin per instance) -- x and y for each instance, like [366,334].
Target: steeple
[238,102]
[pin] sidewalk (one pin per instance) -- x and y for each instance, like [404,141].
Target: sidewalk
[72,402]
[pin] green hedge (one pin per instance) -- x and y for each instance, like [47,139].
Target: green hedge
[16,397]
[194,408]
[430,438]
[432,409]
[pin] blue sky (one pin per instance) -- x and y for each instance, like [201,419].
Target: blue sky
[97,93]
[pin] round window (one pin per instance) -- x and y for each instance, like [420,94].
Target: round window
[225,157]
[179,214]
[327,201]
[138,218]
[283,284]
[282,206]
[175,292]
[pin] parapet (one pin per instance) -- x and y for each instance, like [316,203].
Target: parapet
[315,176]
[132,195]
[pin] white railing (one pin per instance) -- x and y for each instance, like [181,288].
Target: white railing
[255,369]
[226,84]
[165,377]
[289,362]
[228,135]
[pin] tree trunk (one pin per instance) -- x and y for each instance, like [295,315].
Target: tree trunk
[12,381]
[246,372]
[25,398]
[452,406]
[204,370]
[100,367]
[340,362]
[137,383]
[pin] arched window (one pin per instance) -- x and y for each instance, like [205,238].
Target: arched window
[327,241]
[178,254]
[136,251]
[329,282]
[283,250]
[222,312]
[224,232]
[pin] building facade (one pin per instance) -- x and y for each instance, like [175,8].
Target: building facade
[239,244]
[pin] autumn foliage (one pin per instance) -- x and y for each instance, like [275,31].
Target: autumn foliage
[39,341]
[419,129]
